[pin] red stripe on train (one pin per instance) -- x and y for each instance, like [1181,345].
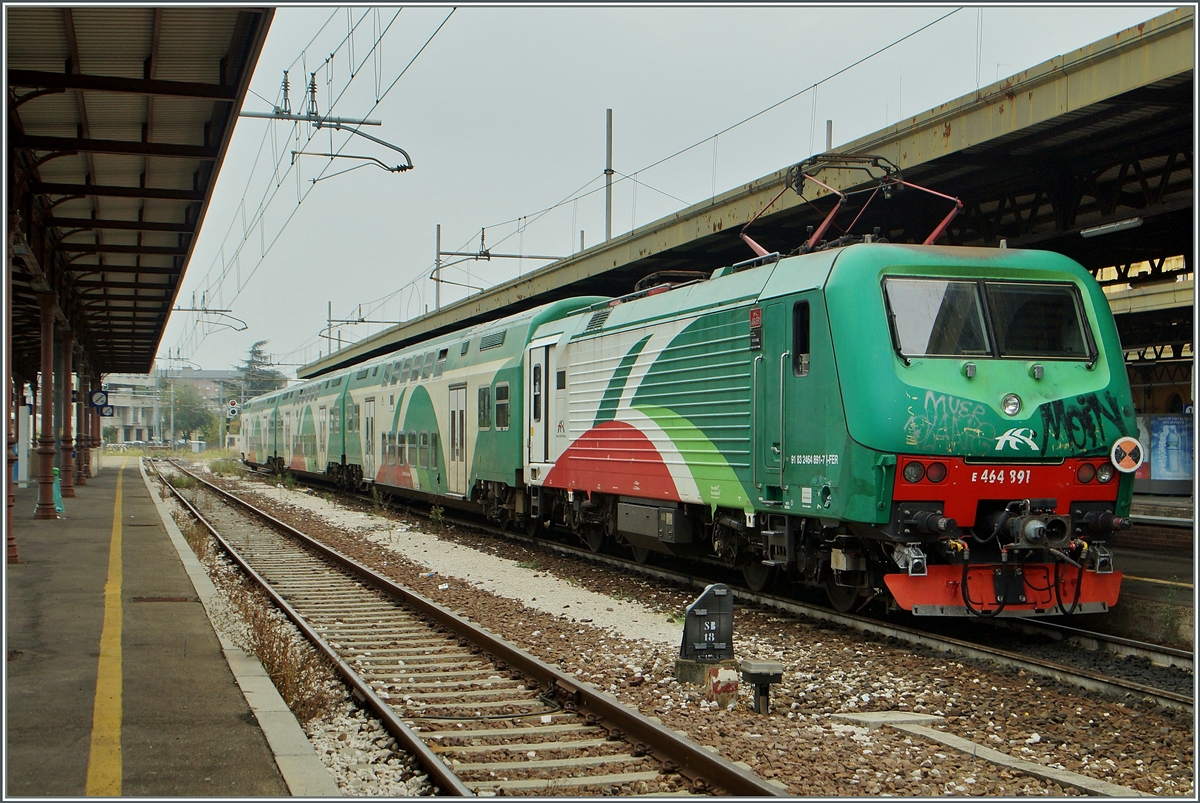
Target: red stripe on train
[615,458]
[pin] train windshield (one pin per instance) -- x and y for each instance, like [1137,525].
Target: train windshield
[936,318]
[946,318]
[1038,320]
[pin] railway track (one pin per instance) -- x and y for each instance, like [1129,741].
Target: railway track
[930,638]
[480,715]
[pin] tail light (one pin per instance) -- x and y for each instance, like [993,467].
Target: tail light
[936,472]
[1086,472]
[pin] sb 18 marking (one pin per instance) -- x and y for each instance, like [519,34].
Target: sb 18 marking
[1014,476]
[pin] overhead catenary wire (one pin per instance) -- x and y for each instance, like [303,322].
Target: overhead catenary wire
[283,227]
[524,220]
[235,261]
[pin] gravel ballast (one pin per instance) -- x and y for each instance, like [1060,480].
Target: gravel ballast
[621,633]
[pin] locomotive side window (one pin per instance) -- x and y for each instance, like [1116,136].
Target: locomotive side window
[537,393]
[800,338]
[1037,320]
[936,317]
[485,408]
[502,406]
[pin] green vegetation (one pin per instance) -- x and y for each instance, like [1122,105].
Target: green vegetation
[225,467]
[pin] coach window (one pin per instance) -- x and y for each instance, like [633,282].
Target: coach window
[433,450]
[502,406]
[440,365]
[424,450]
[427,369]
[485,407]
[406,370]
[800,338]
[412,449]
[401,457]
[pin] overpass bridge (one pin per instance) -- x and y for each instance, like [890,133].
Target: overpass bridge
[1094,142]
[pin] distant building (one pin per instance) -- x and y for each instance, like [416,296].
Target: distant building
[142,402]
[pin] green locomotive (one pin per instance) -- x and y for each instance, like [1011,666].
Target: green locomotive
[950,429]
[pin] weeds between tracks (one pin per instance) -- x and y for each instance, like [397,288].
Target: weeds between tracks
[303,676]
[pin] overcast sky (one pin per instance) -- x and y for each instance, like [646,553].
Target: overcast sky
[503,115]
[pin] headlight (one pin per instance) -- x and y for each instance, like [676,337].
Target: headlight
[1011,404]
[936,472]
[1086,473]
[914,471]
[1105,472]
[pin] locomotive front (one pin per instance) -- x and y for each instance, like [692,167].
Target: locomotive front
[991,383]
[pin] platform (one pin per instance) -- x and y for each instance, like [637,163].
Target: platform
[126,693]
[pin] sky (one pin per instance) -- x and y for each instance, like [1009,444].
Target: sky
[502,111]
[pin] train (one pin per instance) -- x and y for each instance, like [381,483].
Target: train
[947,430]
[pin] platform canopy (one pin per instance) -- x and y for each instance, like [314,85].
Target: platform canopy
[118,121]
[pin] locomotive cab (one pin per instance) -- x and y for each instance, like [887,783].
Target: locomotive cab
[997,385]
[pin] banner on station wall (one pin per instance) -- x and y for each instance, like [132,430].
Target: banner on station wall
[1171,453]
[1170,443]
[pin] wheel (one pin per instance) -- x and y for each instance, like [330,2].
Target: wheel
[593,537]
[757,575]
[641,554]
[841,598]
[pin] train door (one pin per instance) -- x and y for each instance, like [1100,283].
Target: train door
[539,368]
[769,366]
[369,438]
[456,469]
[808,385]
[322,433]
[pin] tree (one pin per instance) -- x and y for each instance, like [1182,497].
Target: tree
[192,412]
[258,377]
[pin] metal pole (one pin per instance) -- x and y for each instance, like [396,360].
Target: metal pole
[828,136]
[45,504]
[608,174]
[12,416]
[66,469]
[172,412]
[437,271]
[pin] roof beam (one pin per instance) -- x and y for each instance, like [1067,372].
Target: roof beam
[126,225]
[123,269]
[45,188]
[105,83]
[77,144]
[97,248]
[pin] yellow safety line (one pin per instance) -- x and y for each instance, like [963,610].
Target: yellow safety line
[1160,582]
[104,760]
